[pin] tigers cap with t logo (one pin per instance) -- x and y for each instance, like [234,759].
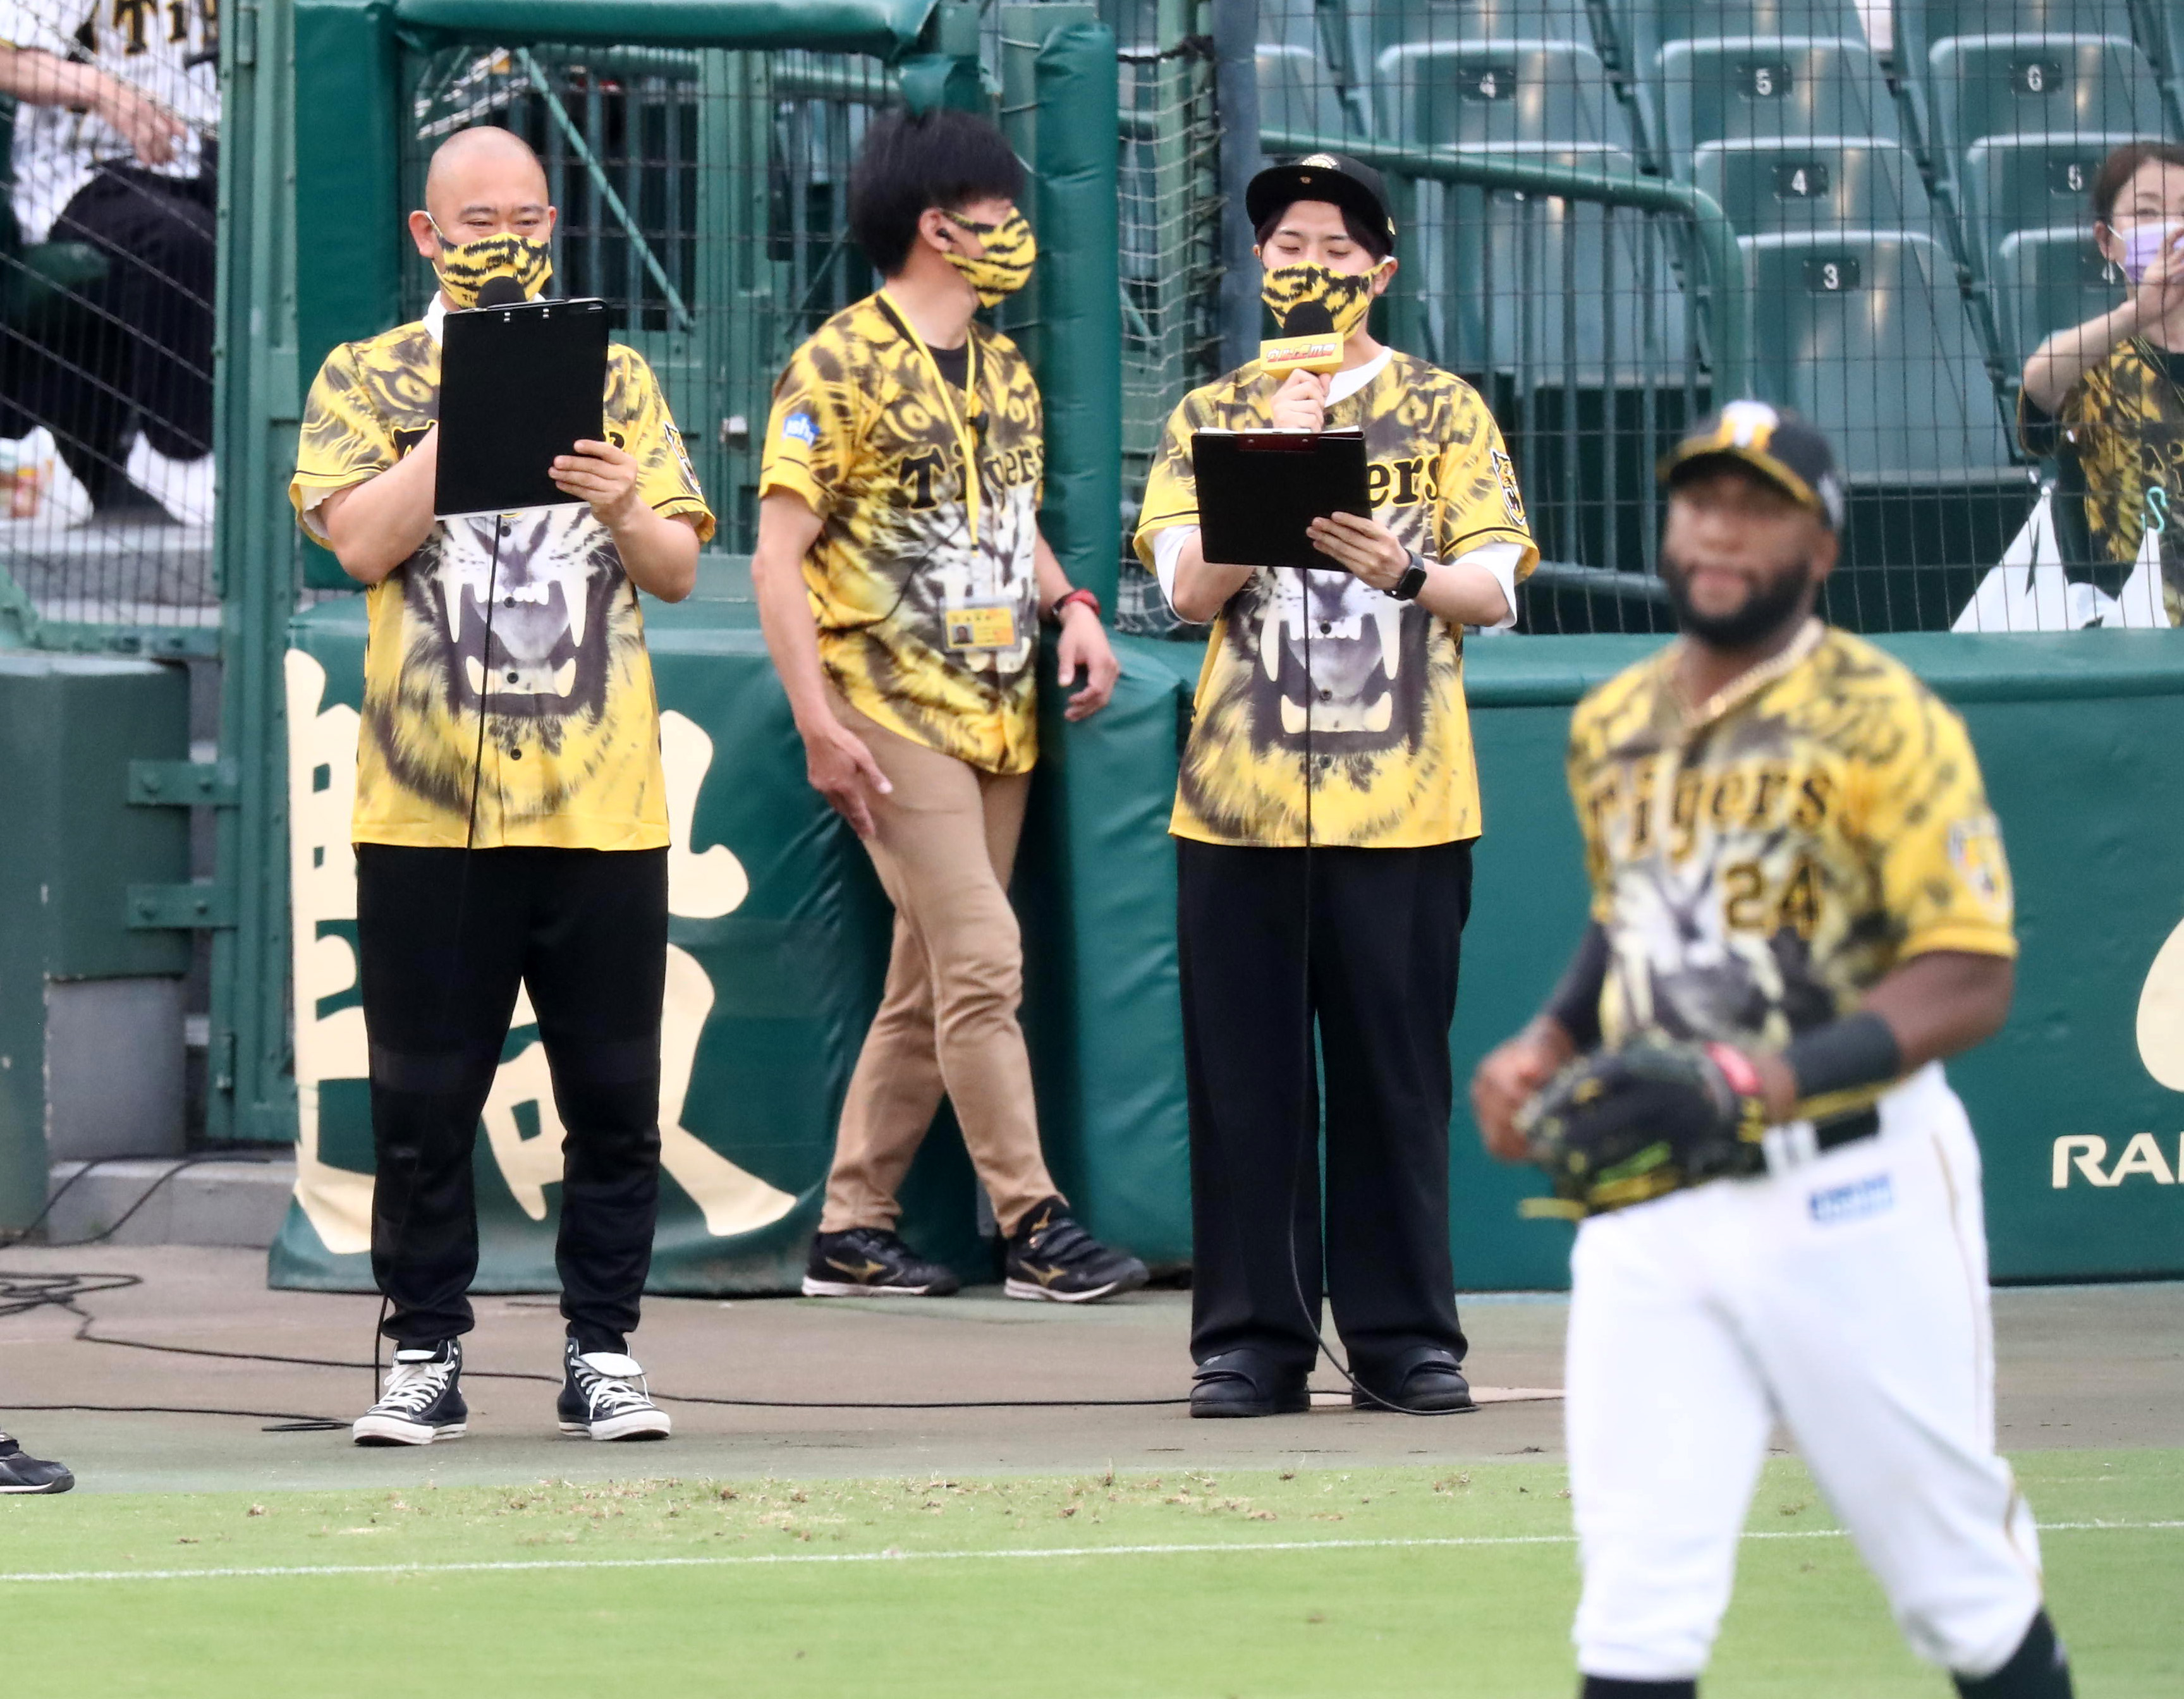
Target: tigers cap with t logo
[1348,183]
[1785,449]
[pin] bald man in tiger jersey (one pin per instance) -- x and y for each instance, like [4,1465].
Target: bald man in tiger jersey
[901,580]
[510,825]
[1794,869]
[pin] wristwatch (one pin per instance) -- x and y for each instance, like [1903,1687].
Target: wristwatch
[1406,588]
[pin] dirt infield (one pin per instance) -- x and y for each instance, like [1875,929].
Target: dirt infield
[2080,1367]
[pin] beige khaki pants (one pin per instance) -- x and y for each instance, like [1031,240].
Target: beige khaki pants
[944,843]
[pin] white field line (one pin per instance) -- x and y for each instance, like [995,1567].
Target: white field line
[891,1556]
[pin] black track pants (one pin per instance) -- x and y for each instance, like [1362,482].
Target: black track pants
[1386,933]
[445,939]
[137,352]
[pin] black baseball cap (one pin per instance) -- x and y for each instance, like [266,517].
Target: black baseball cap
[1786,450]
[1348,183]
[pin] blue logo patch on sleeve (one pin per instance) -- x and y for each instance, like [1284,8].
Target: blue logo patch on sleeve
[802,427]
[1872,1196]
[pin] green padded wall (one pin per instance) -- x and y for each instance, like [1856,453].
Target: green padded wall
[2078,734]
[71,847]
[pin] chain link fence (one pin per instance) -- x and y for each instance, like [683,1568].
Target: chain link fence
[106,408]
[1909,188]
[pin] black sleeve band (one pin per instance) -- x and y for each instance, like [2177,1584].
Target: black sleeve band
[1575,1005]
[1858,1050]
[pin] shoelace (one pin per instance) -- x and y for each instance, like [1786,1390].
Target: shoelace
[412,1386]
[605,1394]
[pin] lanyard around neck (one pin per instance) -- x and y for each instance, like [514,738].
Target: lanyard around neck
[958,417]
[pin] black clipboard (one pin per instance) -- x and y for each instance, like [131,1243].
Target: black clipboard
[1257,490]
[518,385]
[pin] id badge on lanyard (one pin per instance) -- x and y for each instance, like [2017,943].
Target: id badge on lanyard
[983,625]
[972,625]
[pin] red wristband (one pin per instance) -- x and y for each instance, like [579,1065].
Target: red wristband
[1737,1069]
[1063,601]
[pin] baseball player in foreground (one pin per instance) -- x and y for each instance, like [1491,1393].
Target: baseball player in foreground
[1799,907]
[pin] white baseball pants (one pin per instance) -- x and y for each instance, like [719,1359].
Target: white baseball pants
[1848,1298]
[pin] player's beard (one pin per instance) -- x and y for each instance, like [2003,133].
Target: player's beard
[1771,604]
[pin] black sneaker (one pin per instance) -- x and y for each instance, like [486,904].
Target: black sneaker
[20,1472]
[871,1263]
[1053,1259]
[421,1401]
[604,1397]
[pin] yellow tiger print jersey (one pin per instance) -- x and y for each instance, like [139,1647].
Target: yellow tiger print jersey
[571,746]
[2125,422]
[1761,861]
[1389,739]
[875,441]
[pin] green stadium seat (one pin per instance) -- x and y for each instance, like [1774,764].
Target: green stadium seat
[1782,89]
[1520,92]
[1398,23]
[1829,183]
[1644,27]
[1982,87]
[1296,93]
[1558,293]
[2010,183]
[1866,333]
[2046,280]
[1921,24]
[1633,33]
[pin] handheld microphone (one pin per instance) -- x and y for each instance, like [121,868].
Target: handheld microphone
[1308,342]
[502,291]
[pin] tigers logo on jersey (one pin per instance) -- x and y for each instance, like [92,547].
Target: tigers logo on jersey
[1322,664]
[1975,852]
[1759,869]
[530,618]
[1512,499]
[863,433]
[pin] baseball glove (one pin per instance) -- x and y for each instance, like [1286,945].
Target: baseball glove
[1619,1126]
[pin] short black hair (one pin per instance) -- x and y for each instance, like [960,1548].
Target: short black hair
[2117,170]
[1374,241]
[911,161]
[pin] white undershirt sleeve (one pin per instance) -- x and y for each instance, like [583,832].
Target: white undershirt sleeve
[1168,550]
[1500,559]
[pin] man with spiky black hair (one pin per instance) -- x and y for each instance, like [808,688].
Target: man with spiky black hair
[901,580]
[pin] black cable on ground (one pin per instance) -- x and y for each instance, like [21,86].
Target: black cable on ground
[21,1293]
[178,1163]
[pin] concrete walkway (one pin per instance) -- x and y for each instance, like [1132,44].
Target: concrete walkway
[2080,1367]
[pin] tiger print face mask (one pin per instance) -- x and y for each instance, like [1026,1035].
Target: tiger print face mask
[1346,295]
[465,267]
[1005,266]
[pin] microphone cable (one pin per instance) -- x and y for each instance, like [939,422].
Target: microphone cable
[500,523]
[1310,1135]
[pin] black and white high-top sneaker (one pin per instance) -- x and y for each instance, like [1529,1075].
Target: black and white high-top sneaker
[604,1397]
[421,1401]
[21,1472]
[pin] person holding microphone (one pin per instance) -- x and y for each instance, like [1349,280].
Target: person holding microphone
[1324,819]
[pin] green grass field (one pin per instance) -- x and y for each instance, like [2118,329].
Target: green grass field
[1369,1582]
